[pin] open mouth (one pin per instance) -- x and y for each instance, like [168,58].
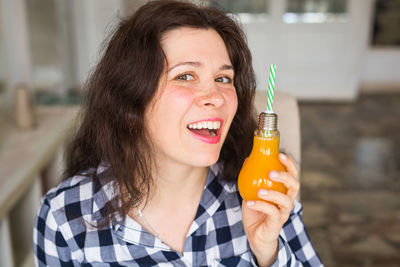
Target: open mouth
[205,128]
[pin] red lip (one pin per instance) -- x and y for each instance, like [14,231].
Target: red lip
[209,139]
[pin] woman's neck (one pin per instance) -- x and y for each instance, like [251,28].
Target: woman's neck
[175,184]
[178,190]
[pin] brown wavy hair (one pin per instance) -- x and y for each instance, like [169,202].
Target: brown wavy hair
[113,128]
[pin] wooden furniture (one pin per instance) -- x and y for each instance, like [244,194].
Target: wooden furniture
[30,163]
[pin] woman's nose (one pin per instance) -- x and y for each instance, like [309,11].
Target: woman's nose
[210,96]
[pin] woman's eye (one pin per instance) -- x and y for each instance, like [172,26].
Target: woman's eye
[185,77]
[224,80]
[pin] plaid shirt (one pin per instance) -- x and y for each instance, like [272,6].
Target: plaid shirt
[65,232]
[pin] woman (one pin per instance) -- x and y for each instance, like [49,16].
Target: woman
[151,172]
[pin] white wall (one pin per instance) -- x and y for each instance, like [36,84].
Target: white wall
[92,20]
[131,6]
[381,69]
[17,65]
[314,61]
[2,48]
[327,61]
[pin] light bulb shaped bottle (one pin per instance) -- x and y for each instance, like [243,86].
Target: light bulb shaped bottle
[263,159]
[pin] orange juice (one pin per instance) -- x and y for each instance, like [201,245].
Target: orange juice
[254,174]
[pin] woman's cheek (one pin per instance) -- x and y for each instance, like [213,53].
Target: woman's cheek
[232,104]
[180,95]
[232,101]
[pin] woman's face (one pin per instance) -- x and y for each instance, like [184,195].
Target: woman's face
[196,100]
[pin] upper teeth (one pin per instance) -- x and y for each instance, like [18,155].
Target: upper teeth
[205,124]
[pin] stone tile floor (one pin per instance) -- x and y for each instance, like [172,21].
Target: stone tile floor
[351,180]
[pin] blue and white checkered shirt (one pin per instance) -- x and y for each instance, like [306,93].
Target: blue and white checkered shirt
[65,232]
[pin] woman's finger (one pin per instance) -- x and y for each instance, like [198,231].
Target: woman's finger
[284,202]
[264,207]
[290,182]
[289,164]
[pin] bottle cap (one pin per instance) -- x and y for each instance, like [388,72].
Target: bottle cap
[268,121]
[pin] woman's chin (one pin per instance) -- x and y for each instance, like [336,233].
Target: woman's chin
[205,160]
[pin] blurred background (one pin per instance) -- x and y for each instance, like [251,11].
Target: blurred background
[339,58]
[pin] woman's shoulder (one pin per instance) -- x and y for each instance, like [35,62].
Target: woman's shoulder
[71,202]
[65,216]
[77,187]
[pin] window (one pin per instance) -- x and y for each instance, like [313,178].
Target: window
[315,11]
[240,6]
[386,23]
[247,11]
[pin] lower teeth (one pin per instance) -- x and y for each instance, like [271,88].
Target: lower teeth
[212,133]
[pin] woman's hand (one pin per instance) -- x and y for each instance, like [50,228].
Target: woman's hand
[263,221]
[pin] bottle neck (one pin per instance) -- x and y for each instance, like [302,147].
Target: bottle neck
[266,143]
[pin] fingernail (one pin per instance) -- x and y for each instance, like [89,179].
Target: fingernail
[273,174]
[283,156]
[262,192]
[250,203]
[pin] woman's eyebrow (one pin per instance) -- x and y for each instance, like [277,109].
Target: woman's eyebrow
[190,63]
[226,67]
[199,64]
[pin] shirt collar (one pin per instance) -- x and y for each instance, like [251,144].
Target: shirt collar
[215,192]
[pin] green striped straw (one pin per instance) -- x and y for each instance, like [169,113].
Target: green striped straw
[271,88]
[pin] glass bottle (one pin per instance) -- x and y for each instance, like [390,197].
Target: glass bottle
[263,159]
